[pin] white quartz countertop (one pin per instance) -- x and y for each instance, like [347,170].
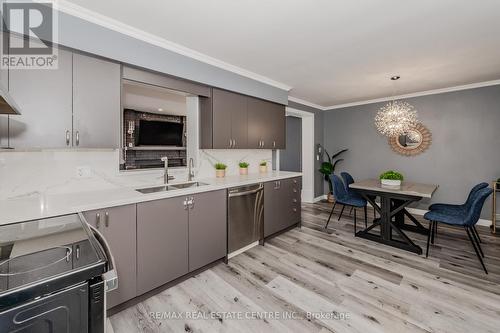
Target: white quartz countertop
[40,205]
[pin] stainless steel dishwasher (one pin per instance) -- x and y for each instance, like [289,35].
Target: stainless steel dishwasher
[245,216]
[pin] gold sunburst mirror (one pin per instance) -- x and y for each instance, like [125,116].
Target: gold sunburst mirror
[416,140]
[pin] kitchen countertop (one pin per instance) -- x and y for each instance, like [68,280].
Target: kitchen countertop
[49,205]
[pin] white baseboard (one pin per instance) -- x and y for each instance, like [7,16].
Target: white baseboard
[321,197]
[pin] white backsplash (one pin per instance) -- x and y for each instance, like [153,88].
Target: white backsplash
[231,157]
[57,171]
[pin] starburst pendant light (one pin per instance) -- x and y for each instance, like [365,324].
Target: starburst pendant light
[396,118]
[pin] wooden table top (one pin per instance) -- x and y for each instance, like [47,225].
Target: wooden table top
[406,188]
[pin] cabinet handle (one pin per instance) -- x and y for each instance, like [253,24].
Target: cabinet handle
[67,138]
[234,143]
[185,203]
[295,209]
[97,220]
[294,200]
[230,143]
[263,143]
[77,138]
[295,181]
[191,202]
[68,253]
[106,219]
[274,144]
[294,190]
[78,252]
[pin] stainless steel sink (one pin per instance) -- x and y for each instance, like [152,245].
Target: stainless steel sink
[169,187]
[155,189]
[188,185]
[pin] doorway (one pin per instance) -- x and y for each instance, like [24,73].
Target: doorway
[291,157]
[306,152]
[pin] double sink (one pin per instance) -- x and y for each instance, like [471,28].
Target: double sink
[170,187]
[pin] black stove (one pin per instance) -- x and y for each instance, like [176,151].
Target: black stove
[59,261]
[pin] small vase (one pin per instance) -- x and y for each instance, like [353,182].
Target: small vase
[390,182]
[220,173]
[329,198]
[243,171]
[263,168]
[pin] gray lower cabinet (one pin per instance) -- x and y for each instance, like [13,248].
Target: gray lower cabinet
[118,226]
[207,228]
[96,102]
[281,205]
[44,99]
[162,242]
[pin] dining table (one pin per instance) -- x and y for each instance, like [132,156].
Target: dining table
[394,201]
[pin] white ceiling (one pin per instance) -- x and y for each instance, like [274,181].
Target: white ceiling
[331,52]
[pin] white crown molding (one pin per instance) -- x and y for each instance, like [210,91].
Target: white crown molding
[307,103]
[104,21]
[416,94]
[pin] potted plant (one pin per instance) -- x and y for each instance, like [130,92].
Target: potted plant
[220,170]
[328,168]
[391,178]
[263,167]
[244,168]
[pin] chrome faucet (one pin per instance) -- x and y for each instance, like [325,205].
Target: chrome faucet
[165,174]
[190,170]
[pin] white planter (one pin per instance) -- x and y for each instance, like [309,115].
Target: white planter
[243,171]
[220,173]
[390,182]
[263,168]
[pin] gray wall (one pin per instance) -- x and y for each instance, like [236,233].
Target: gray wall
[89,37]
[291,157]
[465,149]
[318,138]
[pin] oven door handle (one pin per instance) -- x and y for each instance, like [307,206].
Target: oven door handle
[110,277]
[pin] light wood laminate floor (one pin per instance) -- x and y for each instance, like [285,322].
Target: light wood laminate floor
[346,284]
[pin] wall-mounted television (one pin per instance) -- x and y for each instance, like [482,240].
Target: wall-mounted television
[160,133]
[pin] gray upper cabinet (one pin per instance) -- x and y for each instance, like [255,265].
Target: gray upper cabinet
[231,120]
[266,124]
[96,102]
[44,97]
[118,226]
[162,242]
[207,229]
[4,80]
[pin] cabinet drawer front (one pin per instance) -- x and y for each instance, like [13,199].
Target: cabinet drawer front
[162,242]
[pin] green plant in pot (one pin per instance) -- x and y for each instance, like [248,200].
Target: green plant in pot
[220,170]
[263,167]
[243,168]
[391,178]
[328,169]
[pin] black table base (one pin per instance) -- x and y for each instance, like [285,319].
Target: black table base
[392,212]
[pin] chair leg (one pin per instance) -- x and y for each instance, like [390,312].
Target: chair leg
[477,233]
[341,212]
[477,241]
[433,234]
[329,217]
[475,249]
[334,204]
[350,212]
[431,231]
[366,217]
[436,230]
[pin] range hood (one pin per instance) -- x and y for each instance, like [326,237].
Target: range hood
[7,104]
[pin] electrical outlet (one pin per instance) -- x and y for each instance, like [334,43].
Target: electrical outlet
[83,172]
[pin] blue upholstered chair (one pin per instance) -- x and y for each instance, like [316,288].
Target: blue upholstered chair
[343,198]
[458,209]
[348,180]
[466,219]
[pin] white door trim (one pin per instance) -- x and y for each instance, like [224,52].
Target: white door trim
[307,152]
